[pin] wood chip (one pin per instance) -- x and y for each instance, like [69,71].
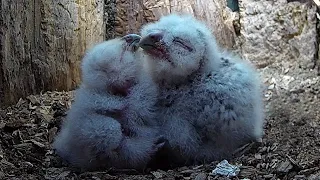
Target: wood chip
[157,174]
[63,175]
[2,125]
[258,156]
[33,99]
[314,176]
[188,171]
[38,143]
[201,176]
[20,102]
[52,133]
[284,167]
[198,167]
[268,176]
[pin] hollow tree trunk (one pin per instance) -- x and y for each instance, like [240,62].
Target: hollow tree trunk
[131,16]
[42,43]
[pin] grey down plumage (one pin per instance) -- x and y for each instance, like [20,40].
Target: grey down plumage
[210,102]
[110,123]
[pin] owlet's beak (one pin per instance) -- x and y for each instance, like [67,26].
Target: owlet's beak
[151,41]
[132,41]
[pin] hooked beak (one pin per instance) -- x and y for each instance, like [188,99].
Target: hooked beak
[152,40]
[132,41]
[153,44]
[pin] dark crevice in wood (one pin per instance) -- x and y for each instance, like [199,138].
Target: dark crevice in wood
[110,18]
[2,27]
[317,55]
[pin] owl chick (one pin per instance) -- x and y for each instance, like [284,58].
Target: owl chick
[210,102]
[110,123]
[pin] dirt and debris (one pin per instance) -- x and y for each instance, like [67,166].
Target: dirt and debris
[290,148]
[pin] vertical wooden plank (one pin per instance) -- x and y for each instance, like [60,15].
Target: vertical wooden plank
[43,42]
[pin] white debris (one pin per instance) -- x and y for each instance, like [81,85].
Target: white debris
[226,169]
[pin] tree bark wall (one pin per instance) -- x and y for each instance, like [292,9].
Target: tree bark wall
[42,43]
[131,16]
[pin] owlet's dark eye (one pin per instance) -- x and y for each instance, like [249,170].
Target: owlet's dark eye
[180,42]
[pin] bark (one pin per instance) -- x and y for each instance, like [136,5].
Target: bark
[131,16]
[110,18]
[42,43]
